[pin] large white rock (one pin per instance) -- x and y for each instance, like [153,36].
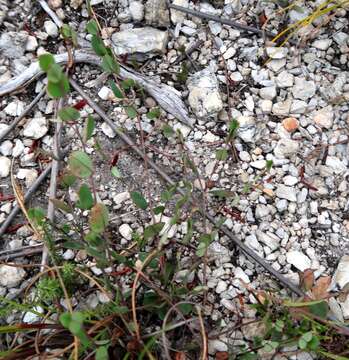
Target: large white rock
[14,108]
[247,128]
[298,260]
[286,192]
[286,148]
[137,10]
[11,276]
[303,89]
[341,276]
[126,231]
[5,166]
[36,128]
[204,96]
[140,40]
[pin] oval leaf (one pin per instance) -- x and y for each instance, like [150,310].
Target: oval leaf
[68,114]
[80,164]
[98,218]
[85,198]
[139,200]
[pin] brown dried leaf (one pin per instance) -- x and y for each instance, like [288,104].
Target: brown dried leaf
[222,355]
[307,279]
[319,291]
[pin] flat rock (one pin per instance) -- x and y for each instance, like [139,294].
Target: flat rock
[137,10]
[5,166]
[204,95]
[36,128]
[14,108]
[140,40]
[303,89]
[286,192]
[277,52]
[156,13]
[286,148]
[284,79]
[322,44]
[247,128]
[11,276]
[341,276]
[178,16]
[324,117]
[300,261]
[12,44]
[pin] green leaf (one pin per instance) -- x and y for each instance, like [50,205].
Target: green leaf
[333,356]
[186,309]
[80,164]
[320,309]
[201,249]
[190,231]
[66,31]
[37,215]
[131,112]
[269,164]
[139,200]
[314,343]
[307,336]
[159,210]
[168,131]
[116,172]
[92,27]
[152,230]
[55,74]
[127,84]
[222,154]
[58,90]
[68,179]
[153,114]
[248,356]
[99,218]
[68,114]
[204,242]
[233,127]
[85,198]
[302,344]
[89,128]
[110,65]
[115,89]
[65,319]
[102,353]
[222,194]
[59,204]
[46,61]
[98,46]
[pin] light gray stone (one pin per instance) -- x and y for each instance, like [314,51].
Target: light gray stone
[322,44]
[36,128]
[268,93]
[140,40]
[5,166]
[284,79]
[156,13]
[247,128]
[51,28]
[126,231]
[286,148]
[277,52]
[137,10]
[11,276]
[300,261]
[286,192]
[204,95]
[341,276]
[303,89]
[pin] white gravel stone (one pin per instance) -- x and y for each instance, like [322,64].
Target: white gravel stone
[31,44]
[14,108]
[268,93]
[178,16]
[18,148]
[322,44]
[258,164]
[341,276]
[324,117]
[266,106]
[282,108]
[121,197]
[5,166]
[336,165]
[68,254]
[276,52]
[303,89]
[231,51]
[140,40]
[284,79]
[204,95]
[105,93]
[216,345]
[286,192]
[107,130]
[298,260]
[286,148]
[240,274]
[51,28]
[6,148]
[269,239]
[126,231]
[137,10]
[36,128]
[11,276]
[30,317]
[221,286]
[298,107]
[290,180]
[247,128]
